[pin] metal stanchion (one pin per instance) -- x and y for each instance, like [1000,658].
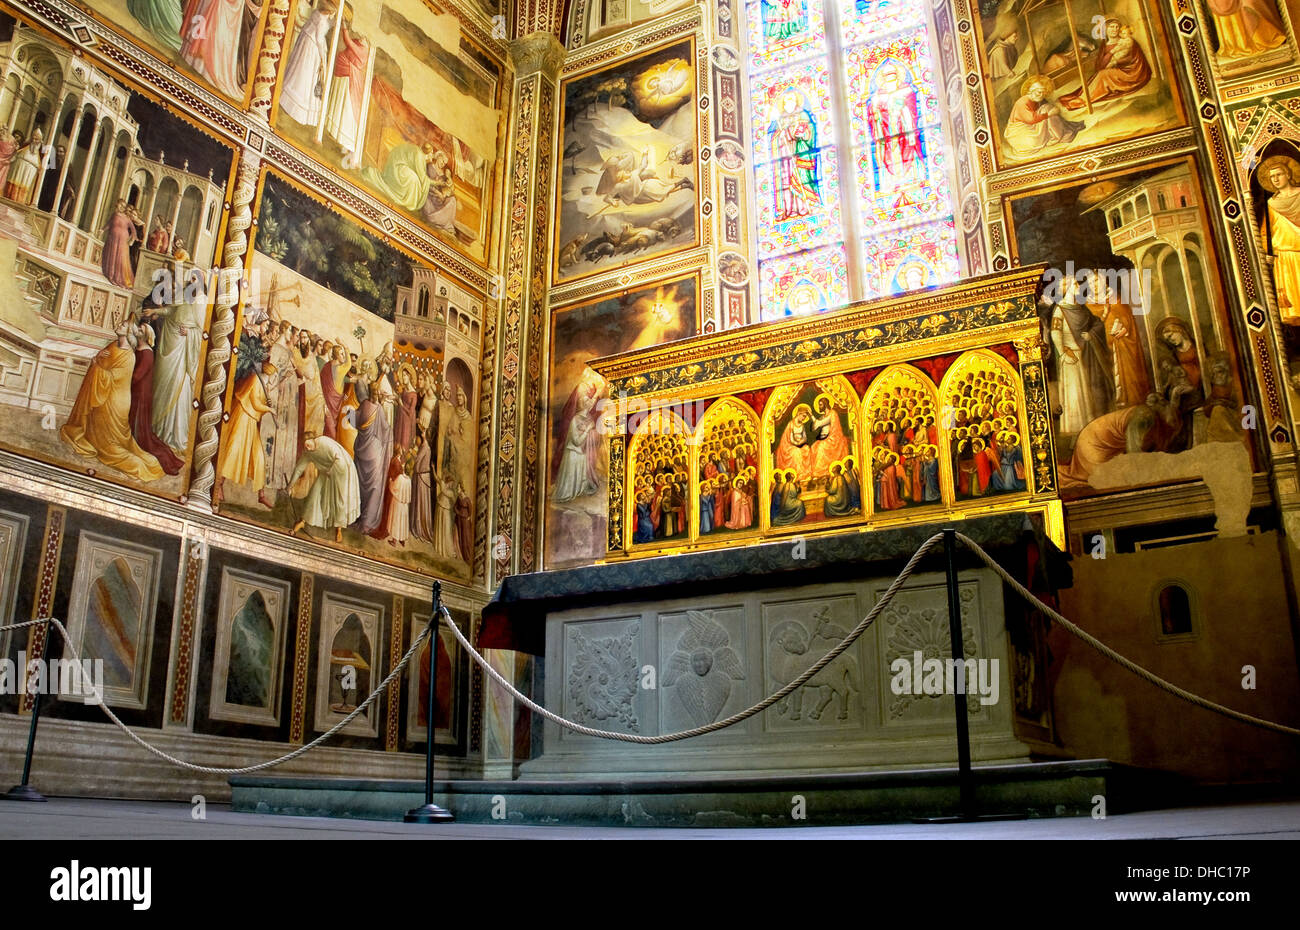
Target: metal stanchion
[968,811]
[24,791]
[430,812]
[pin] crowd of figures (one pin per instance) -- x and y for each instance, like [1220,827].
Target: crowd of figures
[1113,396]
[374,445]
[135,402]
[905,449]
[985,436]
[728,476]
[660,488]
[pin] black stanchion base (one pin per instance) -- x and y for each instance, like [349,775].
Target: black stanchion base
[22,793]
[429,813]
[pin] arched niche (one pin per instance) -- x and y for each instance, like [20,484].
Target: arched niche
[659,480]
[904,449]
[809,429]
[983,420]
[725,470]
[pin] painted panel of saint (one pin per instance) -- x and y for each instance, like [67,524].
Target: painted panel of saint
[352,417]
[1068,75]
[387,95]
[1246,35]
[985,434]
[1139,352]
[116,210]
[810,432]
[578,462]
[659,480]
[728,469]
[628,189]
[901,413]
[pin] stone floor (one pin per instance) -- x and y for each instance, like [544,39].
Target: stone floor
[78,818]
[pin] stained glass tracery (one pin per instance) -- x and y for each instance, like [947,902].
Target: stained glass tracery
[888,122]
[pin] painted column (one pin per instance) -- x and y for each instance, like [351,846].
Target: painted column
[519,339]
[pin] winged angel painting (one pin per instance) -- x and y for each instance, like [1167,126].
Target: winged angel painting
[629,181]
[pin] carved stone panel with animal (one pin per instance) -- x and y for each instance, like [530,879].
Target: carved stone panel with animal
[795,635]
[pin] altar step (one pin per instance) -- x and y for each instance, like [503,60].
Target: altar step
[1040,789]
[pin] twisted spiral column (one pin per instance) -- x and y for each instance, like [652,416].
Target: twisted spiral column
[223,326]
[268,59]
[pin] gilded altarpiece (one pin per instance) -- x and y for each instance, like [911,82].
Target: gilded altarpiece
[955,419]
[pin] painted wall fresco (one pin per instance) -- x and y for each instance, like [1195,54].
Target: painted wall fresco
[1067,75]
[111,210]
[1275,194]
[354,387]
[1246,35]
[388,96]
[629,164]
[215,41]
[577,465]
[1140,352]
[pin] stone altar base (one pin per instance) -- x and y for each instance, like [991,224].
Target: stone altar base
[662,666]
[1046,789]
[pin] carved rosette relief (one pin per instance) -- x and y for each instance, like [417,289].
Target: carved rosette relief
[603,681]
[922,626]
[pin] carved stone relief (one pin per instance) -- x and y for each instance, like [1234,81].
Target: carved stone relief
[603,675]
[703,650]
[795,635]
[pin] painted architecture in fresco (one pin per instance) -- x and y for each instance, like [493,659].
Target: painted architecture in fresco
[1138,341]
[385,94]
[105,198]
[352,413]
[627,191]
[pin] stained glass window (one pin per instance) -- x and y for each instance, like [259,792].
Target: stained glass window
[851,173]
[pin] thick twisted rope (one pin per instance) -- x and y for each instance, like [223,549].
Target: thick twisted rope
[1114,656]
[794,685]
[214,770]
[735,718]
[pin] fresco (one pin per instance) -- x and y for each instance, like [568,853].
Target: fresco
[387,96]
[628,181]
[352,401]
[578,464]
[1275,193]
[1066,75]
[213,40]
[1246,35]
[111,211]
[1139,347]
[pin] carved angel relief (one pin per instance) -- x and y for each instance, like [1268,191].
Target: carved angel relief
[702,667]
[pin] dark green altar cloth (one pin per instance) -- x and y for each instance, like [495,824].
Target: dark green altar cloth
[515,618]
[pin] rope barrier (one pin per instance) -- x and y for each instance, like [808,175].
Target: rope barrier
[735,718]
[1114,656]
[214,770]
